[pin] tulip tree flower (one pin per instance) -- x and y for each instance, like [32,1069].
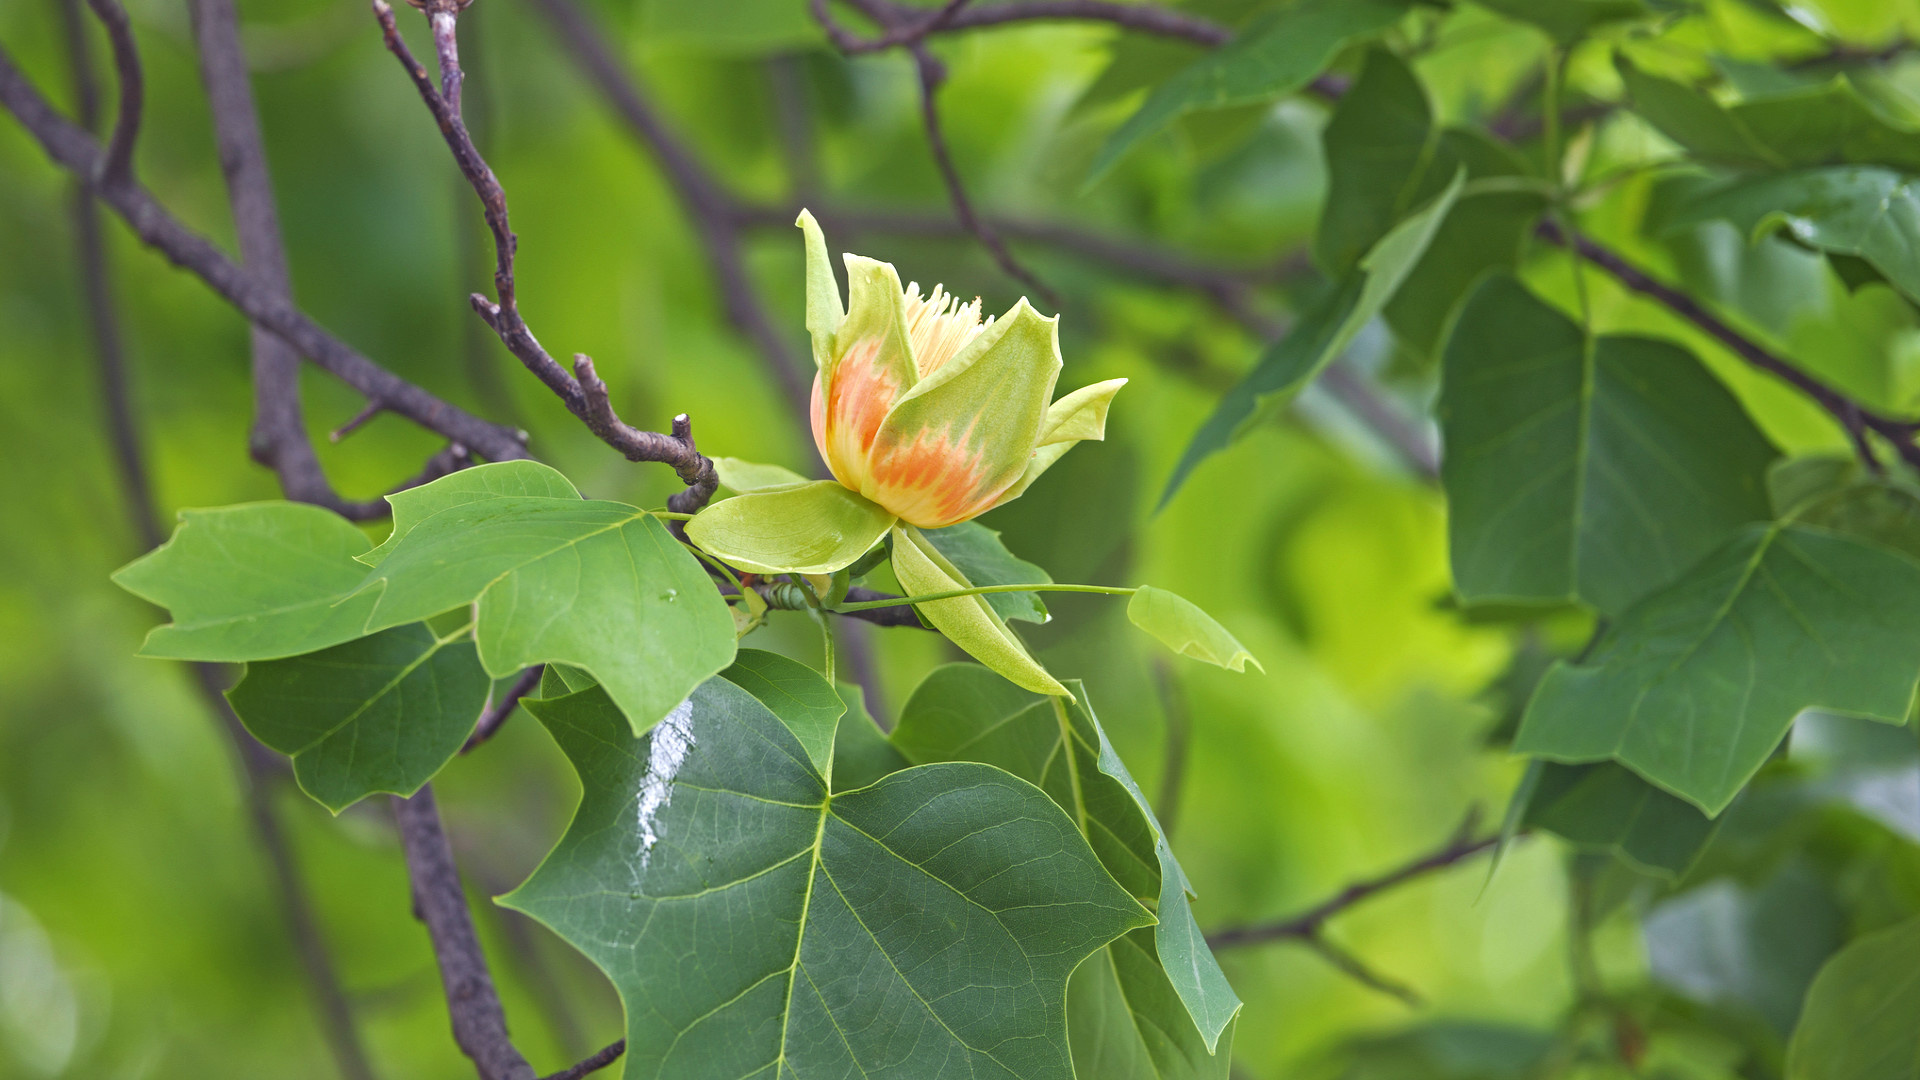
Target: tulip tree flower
[928,416]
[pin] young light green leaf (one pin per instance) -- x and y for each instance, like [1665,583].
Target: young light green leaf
[1584,470]
[1822,125]
[1858,1022]
[749,477]
[494,480]
[1183,627]
[1321,334]
[1606,807]
[795,693]
[967,621]
[816,528]
[756,925]
[978,552]
[962,712]
[256,581]
[1269,59]
[1695,685]
[1869,213]
[599,584]
[383,713]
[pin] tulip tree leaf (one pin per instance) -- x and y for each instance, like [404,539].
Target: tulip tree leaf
[861,752]
[1183,627]
[1858,1021]
[1858,211]
[755,925]
[1157,1004]
[979,554]
[814,529]
[1271,58]
[601,585]
[967,621]
[258,581]
[1819,125]
[1321,334]
[494,480]
[797,695]
[1606,807]
[1696,684]
[382,713]
[1584,469]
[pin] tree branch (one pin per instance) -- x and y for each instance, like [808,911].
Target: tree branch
[1308,924]
[78,152]
[583,392]
[705,198]
[116,167]
[1856,419]
[602,1058]
[495,715]
[1145,18]
[479,1024]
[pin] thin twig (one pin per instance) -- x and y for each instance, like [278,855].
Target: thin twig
[78,152]
[116,167]
[1854,418]
[495,715]
[583,392]
[1307,924]
[602,1058]
[707,201]
[1344,961]
[479,1024]
[1145,18]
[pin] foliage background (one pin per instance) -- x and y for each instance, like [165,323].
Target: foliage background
[138,933]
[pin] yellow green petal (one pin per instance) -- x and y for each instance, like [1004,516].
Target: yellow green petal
[816,528]
[824,314]
[967,621]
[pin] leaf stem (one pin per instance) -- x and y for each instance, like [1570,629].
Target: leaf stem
[1110,590]
[670,515]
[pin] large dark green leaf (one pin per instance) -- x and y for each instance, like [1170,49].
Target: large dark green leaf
[1823,125]
[1584,470]
[1696,684]
[1859,1021]
[379,714]
[1607,807]
[602,585]
[1856,211]
[253,582]
[1275,56]
[1322,333]
[963,712]
[985,560]
[798,695]
[755,925]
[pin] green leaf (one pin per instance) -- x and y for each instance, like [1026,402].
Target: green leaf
[1271,58]
[256,581]
[757,926]
[979,554]
[962,712]
[1320,335]
[1872,214]
[1822,125]
[813,529]
[1858,1023]
[1567,21]
[861,752]
[383,713]
[967,621]
[601,585]
[795,693]
[748,477]
[1183,627]
[1580,469]
[494,480]
[1872,509]
[1696,684]
[1606,807]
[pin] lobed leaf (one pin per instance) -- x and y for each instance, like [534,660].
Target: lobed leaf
[383,713]
[756,925]
[494,480]
[1606,807]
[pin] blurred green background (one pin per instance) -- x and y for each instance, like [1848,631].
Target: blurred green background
[139,933]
